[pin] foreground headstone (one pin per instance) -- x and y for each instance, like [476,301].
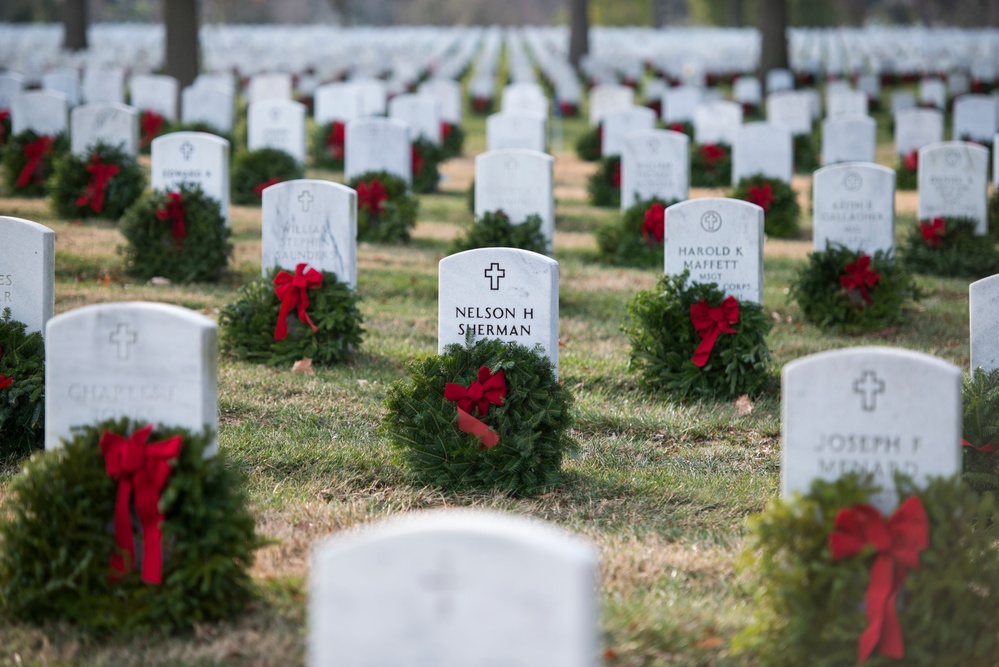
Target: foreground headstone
[277,124]
[519,183]
[27,265]
[378,144]
[147,361]
[455,589]
[854,205]
[870,410]
[983,296]
[193,157]
[953,182]
[112,124]
[654,164]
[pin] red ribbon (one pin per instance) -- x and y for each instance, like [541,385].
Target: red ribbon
[654,225]
[858,276]
[371,195]
[5,381]
[174,211]
[417,160]
[678,127]
[762,197]
[567,108]
[141,470]
[897,543]
[710,322]
[4,115]
[150,123]
[487,389]
[912,160]
[933,232]
[481,104]
[337,139]
[34,151]
[712,153]
[260,187]
[446,129]
[616,174]
[986,448]
[292,291]
[100,175]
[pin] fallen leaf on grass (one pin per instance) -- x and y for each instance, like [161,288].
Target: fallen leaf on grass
[744,405]
[710,642]
[303,366]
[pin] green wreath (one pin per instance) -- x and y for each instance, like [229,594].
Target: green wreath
[710,165]
[426,157]
[453,143]
[604,185]
[155,249]
[588,144]
[636,239]
[806,153]
[663,342]
[56,542]
[907,171]
[15,161]
[980,430]
[993,213]
[22,389]
[533,422]
[247,325]
[325,154]
[5,127]
[393,221]
[810,608]
[948,247]
[682,126]
[72,182]
[482,105]
[254,170]
[782,213]
[494,230]
[864,305]
[152,125]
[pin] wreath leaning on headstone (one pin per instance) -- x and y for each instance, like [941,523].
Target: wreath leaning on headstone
[494,230]
[60,560]
[907,171]
[179,235]
[690,340]
[604,185]
[252,171]
[103,184]
[637,238]
[5,127]
[386,211]
[22,389]
[781,210]
[588,144]
[710,165]
[948,247]
[841,584]
[277,322]
[489,415]
[853,291]
[425,157]
[806,153]
[329,145]
[28,160]
[452,140]
[980,430]
[151,126]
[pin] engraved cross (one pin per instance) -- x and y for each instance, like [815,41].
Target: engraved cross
[123,337]
[494,273]
[869,386]
[305,199]
[441,583]
[186,149]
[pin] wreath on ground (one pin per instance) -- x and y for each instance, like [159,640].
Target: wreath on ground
[180,235]
[489,415]
[782,213]
[637,238]
[5,126]
[452,140]
[22,389]
[252,171]
[426,157]
[948,247]
[604,185]
[103,184]
[28,160]
[692,341]
[980,430]
[710,165]
[494,230]
[60,560]
[329,141]
[274,322]
[907,171]
[588,144]
[482,105]
[853,291]
[568,109]
[806,153]
[814,565]
[386,211]
[151,125]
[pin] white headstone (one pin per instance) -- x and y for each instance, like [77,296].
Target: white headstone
[933,92]
[762,149]
[847,103]
[518,182]
[65,81]
[511,129]
[377,144]
[27,264]
[953,182]
[11,85]
[619,123]
[155,92]
[448,95]
[902,100]
[984,306]
[421,112]
[104,84]
[854,205]
[374,96]
[915,128]
[277,124]
[747,90]
[848,139]
[717,122]
[112,124]
[790,110]
[192,157]
[45,113]
[338,101]
[779,79]
[209,104]
[271,86]
[680,103]
[976,118]
[654,164]
[607,98]
[525,97]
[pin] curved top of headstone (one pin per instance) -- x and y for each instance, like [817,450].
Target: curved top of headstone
[171,137]
[499,153]
[27,261]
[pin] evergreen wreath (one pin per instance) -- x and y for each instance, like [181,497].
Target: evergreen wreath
[637,238]
[252,171]
[151,126]
[710,165]
[907,171]
[103,184]
[993,212]
[452,140]
[56,542]
[664,340]
[948,247]
[782,213]
[329,145]
[179,235]
[388,220]
[22,389]
[247,325]
[21,179]
[810,607]
[426,156]
[841,289]
[482,105]
[494,230]
[588,144]
[604,185]
[532,421]
[980,430]
[806,153]
[5,127]
[568,109]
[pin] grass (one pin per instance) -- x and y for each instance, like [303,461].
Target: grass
[662,488]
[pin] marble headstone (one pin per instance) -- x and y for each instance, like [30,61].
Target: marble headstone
[192,157]
[680,103]
[953,182]
[654,164]
[717,122]
[915,128]
[104,85]
[277,124]
[854,205]
[983,296]
[43,112]
[209,104]
[421,112]
[11,85]
[976,118]
[448,95]
[790,110]
[607,98]
[27,265]
[377,144]
[619,123]
[518,182]
[848,139]
[155,92]
[270,86]
[511,129]
[65,81]
[338,101]
[112,124]
[762,149]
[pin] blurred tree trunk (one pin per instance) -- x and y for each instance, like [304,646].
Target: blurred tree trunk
[773,29]
[182,40]
[579,38]
[74,25]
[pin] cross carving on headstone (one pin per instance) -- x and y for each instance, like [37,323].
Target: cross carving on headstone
[305,199]
[186,149]
[441,584]
[123,337]
[869,386]
[494,273]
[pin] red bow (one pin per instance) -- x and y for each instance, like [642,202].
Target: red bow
[5,381]
[567,108]
[616,174]
[933,232]
[762,197]
[417,160]
[100,174]
[446,128]
[142,469]
[337,139]
[34,151]
[488,389]
[986,448]
[174,211]
[678,127]
[259,188]
[897,543]
[912,160]
[481,104]
[371,195]
[151,123]
[4,115]
[291,290]
[654,225]
[710,322]
[858,276]
[712,153]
